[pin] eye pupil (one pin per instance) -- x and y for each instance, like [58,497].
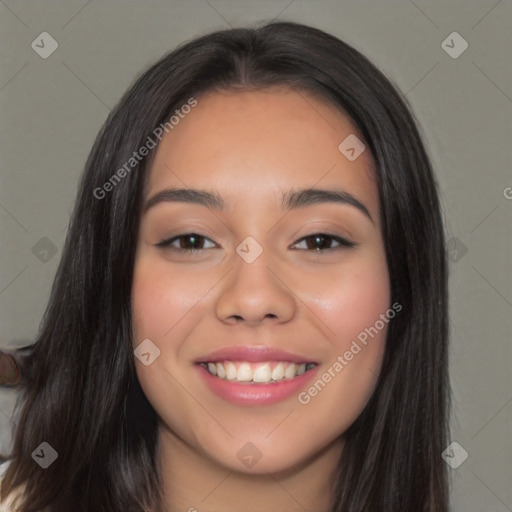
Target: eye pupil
[194,238]
[320,240]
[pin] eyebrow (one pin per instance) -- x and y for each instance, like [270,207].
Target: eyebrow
[290,200]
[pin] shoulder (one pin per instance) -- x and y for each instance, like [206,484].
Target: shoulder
[8,504]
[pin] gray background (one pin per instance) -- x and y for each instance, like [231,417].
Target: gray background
[51,110]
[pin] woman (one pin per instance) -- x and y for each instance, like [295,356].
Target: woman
[251,306]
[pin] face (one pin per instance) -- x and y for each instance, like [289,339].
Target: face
[285,298]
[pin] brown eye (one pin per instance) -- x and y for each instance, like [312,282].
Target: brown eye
[188,242]
[323,241]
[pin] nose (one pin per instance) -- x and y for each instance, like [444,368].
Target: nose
[253,292]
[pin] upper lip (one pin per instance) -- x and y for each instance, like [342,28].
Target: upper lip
[253,354]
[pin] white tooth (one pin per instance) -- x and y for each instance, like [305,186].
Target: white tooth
[289,372]
[221,371]
[212,368]
[278,372]
[301,368]
[230,370]
[244,373]
[262,374]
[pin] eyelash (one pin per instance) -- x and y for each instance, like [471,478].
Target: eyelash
[166,243]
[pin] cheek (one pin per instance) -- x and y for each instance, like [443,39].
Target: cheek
[351,299]
[356,310]
[162,300]
[165,308]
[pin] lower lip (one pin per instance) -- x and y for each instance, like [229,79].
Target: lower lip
[255,394]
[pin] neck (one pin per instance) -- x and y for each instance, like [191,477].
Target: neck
[193,482]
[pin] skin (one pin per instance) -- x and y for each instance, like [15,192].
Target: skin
[249,147]
[9,375]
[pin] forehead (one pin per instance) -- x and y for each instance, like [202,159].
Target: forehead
[256,144]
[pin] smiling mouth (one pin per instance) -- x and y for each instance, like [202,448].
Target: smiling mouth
[268,372]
